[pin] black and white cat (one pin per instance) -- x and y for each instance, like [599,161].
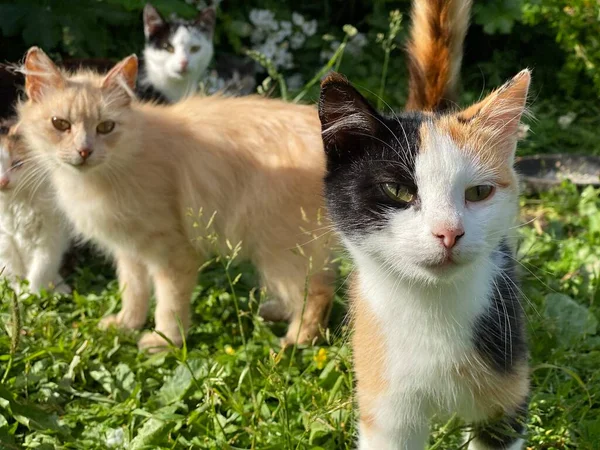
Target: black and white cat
[176,55]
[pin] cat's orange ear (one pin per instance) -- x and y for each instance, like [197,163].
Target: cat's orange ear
[41,74]
[501,111]
[344,113]
[123,76]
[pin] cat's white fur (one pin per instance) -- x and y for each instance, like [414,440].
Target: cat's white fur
[427,315]
[163,69]
[33,233]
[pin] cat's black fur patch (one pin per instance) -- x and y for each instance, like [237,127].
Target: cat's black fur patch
[159,31]
[380,149]
[499,334]
[503,433]
[355,199]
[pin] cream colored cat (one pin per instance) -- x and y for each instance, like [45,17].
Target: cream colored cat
[127,174]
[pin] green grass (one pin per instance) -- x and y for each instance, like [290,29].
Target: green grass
[66,384]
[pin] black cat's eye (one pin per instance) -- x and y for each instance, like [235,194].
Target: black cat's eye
[105,127]
[61,124]
[168,47]
[195,49]
[398,192]
[478,193]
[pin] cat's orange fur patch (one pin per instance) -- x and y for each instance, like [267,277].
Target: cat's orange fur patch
[435,52]
[369,356]
[480,144]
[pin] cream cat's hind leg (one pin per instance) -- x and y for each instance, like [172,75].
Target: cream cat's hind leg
[305,303]
[134,283]
[309,319]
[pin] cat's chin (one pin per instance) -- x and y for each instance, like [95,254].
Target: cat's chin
[82,168]
[444,271]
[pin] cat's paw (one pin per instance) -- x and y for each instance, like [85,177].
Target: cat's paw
[122,320]
[273,311]
[63,288]
[153,342]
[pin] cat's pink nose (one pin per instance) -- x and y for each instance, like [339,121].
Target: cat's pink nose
[4,182]
[448,236]
[85,153]
[184,65]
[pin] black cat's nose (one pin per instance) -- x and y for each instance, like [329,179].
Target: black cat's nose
[85,153]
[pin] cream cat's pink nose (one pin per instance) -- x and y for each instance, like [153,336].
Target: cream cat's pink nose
[85,153]
[449,236]
[4,182]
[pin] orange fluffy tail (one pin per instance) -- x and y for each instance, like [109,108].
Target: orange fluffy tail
[435,51]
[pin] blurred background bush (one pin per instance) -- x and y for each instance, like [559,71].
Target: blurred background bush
[559,39]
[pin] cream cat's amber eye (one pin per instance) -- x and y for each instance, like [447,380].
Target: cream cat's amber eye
[478,193]
[61,124]
[105,127]
[168,47]
[398,192]
[194,48]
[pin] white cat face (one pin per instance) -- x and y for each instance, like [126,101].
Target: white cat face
[185,55]
[443,232]
[177,53]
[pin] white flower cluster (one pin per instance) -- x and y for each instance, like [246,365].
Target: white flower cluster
[354,47]
[274,38]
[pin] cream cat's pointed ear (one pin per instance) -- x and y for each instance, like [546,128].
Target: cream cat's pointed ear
[344,113]
[123,76]
[501,111]
[41,74]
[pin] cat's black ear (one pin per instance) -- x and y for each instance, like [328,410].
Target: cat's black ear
[153,21]
[206,20]
[345,114]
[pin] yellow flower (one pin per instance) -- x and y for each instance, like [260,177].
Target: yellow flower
[321,358]
[229,350]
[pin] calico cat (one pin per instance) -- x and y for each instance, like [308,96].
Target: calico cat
[425,202]
[33,234]
[176,55]
[132,177]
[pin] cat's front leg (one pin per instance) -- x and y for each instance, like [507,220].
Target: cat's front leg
[44,266]
[134,283]
[174,282]
[505,433]
[385,433]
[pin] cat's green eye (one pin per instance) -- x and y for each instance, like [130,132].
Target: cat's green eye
[478,193]
[168,47]
[61,124]
[105,127]
[194,49]
[398,192]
